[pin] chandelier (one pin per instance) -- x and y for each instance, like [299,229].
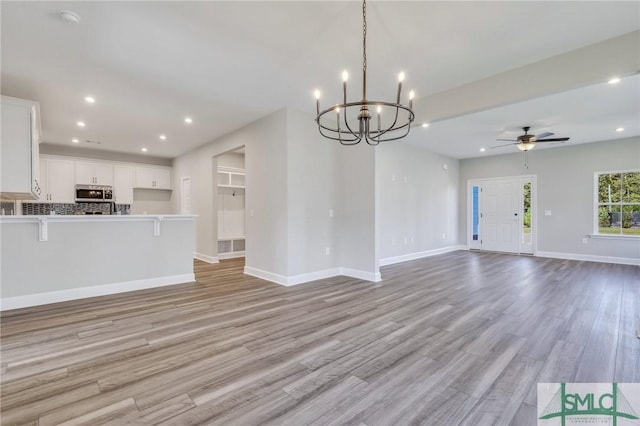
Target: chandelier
[392,119]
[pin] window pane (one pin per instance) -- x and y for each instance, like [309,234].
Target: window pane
[609,186]
[631,220]
[609,219]
[474,213]
[526,208]
[631,187]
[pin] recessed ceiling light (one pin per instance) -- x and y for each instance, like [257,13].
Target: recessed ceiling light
[81,124]
[614,80]
[74,140]
[482,150]
[69,16]
[188,120]
[163,137]
[425,125]
[144,150]
[90,99]
[620,129]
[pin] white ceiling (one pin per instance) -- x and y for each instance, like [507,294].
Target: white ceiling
[150,64]
[588,114]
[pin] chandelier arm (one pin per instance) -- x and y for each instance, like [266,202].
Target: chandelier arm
[332,130]
[346,123]
[342,141]
[393,126]
[404,134]
[328,132]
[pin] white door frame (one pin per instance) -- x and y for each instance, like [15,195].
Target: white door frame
[534,211]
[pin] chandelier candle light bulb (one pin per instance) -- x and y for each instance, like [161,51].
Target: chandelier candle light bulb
[400,116]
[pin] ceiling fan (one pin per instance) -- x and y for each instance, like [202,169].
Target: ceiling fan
[527,142]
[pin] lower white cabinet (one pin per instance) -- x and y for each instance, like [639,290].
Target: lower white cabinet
[229,248]
[123,184]
[57,181]
[153,178]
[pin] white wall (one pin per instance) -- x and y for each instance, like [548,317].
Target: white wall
[417,200]
[311,170]
[355,230]
[565,177]
[231,159]
[266,165]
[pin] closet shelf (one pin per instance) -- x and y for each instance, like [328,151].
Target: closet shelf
[232,186]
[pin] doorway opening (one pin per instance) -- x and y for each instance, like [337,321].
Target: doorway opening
[501,214]
[231,185]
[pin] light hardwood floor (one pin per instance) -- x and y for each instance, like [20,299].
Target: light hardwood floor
[460,338]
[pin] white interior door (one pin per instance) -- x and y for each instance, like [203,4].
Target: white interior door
[186,196]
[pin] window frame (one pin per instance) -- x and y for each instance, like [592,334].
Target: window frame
[596,205]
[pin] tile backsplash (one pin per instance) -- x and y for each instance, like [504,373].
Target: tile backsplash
[7,207]
[73,208]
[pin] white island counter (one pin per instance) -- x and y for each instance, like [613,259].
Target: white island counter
[48,259]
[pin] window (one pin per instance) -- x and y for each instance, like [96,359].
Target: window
[618,203]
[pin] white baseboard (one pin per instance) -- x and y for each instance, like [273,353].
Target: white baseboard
[28,300]
[311,276]
[205,258]
[269,276]
[230,255]
[361,275]
[589,258]
[419,255]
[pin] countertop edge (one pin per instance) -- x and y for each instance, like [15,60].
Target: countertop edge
[95,218]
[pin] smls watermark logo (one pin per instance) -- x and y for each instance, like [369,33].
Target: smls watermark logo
[561,404]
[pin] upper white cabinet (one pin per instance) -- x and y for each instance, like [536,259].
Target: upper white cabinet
[153,178]
[231,177]
[123,184]
[94,173]
[19,149]
[56,181]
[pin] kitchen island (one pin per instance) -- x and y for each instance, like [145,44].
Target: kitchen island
[48,259]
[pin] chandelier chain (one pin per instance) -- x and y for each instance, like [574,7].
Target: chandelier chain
[372,127]
[364,36]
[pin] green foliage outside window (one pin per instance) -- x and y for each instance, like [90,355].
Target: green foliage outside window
[619,203]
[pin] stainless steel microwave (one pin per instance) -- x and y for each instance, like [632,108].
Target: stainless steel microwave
[93,193]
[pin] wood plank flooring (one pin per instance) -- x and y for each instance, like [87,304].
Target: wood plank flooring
[460,338]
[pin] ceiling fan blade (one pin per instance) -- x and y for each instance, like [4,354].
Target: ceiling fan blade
[553,140]
[510,140]
[500,146]
[544,135]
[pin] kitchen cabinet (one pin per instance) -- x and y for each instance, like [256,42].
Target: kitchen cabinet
[19,149]
[153,177]
[57,178]
[93,173]
[123,184]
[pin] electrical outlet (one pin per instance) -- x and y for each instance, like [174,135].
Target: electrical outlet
[412,240]
[547,212]
[585,241]
[330,212]
[327,251]
[444,236]
[406,241]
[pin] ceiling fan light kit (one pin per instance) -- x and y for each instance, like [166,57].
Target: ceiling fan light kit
[526,146]
[392,119]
